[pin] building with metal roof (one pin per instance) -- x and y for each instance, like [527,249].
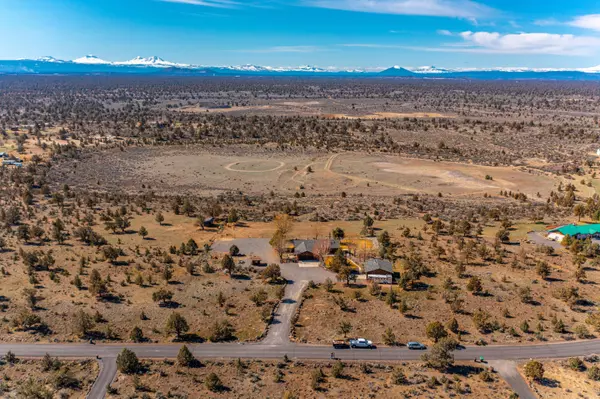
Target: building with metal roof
[581,231]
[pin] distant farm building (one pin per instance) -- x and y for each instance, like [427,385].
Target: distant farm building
[580,232]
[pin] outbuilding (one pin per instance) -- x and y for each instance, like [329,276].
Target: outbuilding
[380,270]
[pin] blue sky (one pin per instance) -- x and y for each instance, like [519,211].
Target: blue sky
[340,33]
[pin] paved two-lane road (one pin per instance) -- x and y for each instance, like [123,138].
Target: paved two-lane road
[265,351]
[109,352]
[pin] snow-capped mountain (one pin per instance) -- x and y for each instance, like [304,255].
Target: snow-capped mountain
[48,59]
[248,68]
[90,59]
[91,64]
[397,71]
[595,69]
[150,61]
[429,69]
[307,68]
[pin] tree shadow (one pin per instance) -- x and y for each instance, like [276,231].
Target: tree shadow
[549,382]
[419,286]
[584,302]
[533,302]
[190,337]
[112,298]
[169,305]
[465,370]
[119,263]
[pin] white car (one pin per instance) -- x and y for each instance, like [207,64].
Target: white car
[415,345]
[361,343]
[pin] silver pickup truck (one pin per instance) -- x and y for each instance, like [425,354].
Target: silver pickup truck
[361,343]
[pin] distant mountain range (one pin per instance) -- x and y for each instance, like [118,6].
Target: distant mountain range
[92,65]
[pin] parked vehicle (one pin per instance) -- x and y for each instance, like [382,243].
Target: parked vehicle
[415,346]
[361,343]
[340,344]
[256,261]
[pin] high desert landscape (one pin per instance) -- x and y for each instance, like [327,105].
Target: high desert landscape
[213,237]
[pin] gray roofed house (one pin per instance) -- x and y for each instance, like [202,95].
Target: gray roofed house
[305,249]
[379,269]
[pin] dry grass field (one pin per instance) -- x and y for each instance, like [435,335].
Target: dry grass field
[137,275]
[267,379]
[202,298]
[562,380]
[64,379]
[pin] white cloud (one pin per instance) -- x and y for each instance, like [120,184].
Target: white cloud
[527,43]
[206,3]
[546,22]
[496,43]
[439,8]
[444,32]
[591,21]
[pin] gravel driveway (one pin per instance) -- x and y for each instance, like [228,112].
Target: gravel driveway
[297,280]
[536,238]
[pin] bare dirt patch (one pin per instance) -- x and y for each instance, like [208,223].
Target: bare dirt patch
[419,175]
[255,166]
[389,115]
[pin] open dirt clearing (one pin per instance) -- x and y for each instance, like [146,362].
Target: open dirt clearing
[196,169]
[425,176]
[390,115]
[324,107]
